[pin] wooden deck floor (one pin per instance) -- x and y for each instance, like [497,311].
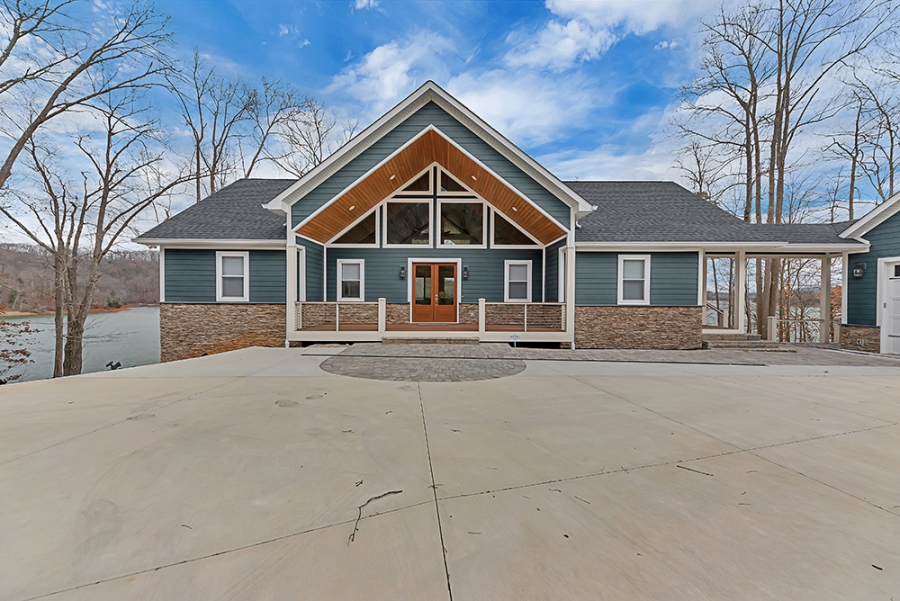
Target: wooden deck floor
[429,328]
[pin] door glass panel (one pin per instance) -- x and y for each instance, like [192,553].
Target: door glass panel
[446,285]
[423,284]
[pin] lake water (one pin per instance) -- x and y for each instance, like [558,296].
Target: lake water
[130,337]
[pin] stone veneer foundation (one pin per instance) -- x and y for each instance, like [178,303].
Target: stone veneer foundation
[661,328]
[861,338]
[193,330]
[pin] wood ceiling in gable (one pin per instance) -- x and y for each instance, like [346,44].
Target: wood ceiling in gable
[429,148]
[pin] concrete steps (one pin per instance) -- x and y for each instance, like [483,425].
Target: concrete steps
[740,344]
[437,340]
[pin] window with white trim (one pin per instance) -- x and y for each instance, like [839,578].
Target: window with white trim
[351,280]
[517,282]
[232,270]
[634,279]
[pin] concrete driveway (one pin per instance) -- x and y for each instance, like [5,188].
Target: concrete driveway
[257,475]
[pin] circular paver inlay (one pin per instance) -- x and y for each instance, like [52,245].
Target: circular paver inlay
[421,369]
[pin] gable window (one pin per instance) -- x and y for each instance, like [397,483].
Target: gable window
[507,234]
[351,279]
[517,285]
[408,223]
[231,277]
[361,234]
[634,279]
[423,184]
[462,223]
[448,184]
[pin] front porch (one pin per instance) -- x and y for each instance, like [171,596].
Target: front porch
[372,321]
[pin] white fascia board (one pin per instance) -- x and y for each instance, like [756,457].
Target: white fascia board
[428,92]
[875,217]
[195,243]
[767,247]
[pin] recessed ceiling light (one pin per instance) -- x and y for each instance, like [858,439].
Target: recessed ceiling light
[392,177]
[515,209]
[475,178]
[354,206]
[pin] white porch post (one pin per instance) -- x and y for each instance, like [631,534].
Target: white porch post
[291,296]
[845,279]
[570,293]
[740,291]
[382,314]
[825,301]
[481,316]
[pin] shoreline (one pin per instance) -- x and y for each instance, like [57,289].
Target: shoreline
[6,314]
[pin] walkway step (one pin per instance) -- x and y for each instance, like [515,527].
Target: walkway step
[730,336]
[740,344]
[397,340]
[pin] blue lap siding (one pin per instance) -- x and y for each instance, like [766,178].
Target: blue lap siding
[674,278]
[190,276]
[314,269]
[486,277]
[405,131]
[862,293]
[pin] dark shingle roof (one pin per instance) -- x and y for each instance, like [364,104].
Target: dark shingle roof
[806,233]
[656,212]
[233,213]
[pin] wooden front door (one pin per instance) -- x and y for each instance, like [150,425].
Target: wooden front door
[434,292]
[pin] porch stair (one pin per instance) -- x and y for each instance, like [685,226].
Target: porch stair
[737,341]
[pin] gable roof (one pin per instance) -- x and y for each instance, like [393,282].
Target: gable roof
[428,92]
[233,213]
[665,212]
[429,147]
[873,218]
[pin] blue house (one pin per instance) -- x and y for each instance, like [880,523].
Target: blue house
[431,224]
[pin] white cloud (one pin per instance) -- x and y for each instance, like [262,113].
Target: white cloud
[529,108]
[304,43]
[391,71]
[666,45]
[362,4]
[612,163]
[582,31]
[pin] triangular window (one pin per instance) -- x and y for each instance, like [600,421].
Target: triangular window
[420,185]
[507,234]
[448,184]
[361,233]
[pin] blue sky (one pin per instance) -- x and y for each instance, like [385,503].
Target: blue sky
[586,87]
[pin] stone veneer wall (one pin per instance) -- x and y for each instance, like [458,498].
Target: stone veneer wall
[192,330]
[629,327]
[870,336]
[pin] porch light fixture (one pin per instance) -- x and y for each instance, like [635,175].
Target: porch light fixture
[466,272]
[859,270]
[403,272]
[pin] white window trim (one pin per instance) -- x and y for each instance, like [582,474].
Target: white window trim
[484,220]
[506,265]
[362,280]
[620,279]
[537,244]
[429,202]
[232,299]
[377,211]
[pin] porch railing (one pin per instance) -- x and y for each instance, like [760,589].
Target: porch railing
[372,316]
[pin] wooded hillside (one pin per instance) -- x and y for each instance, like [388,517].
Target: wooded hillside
[26,278]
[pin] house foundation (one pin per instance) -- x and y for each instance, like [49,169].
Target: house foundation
[629,327]
[194,330]
[861,338]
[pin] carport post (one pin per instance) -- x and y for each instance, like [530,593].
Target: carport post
[481,316]
[740,290]
[825,301]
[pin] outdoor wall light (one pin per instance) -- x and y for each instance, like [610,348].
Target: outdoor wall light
[403,272]
[466,273]
[859,270]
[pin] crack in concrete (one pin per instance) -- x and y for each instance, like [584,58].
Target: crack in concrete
[434,488]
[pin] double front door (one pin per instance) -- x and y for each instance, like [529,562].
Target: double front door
[434,292]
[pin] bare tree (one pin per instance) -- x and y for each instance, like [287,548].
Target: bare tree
[214,109]
[310,137]
[51,63]
[80,223]
[278,110]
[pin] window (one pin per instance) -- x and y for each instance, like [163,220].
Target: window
[423,184]
[448,184]
[351,280]
[634,279]
[408,223]
[231,277]
[518,281]
[361,234]
[462,223]
[507,234]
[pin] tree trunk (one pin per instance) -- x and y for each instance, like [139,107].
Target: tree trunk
[74,346]
[59,283]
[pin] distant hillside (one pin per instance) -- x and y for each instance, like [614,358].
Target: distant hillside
[26,278]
